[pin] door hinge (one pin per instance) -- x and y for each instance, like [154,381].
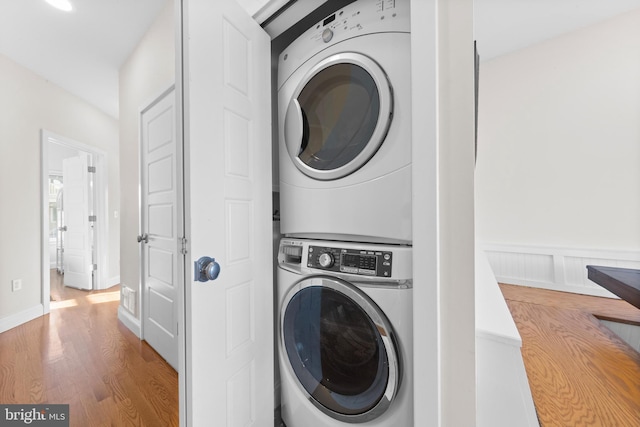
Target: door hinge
[94,267]
[91,169]
[183,249]
[93,218]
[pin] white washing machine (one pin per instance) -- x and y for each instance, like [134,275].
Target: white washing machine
[345,334]
[344,105]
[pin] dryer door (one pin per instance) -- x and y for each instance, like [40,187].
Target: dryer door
[338,116]
[341,348]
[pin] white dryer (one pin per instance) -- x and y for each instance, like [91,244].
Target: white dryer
[345,334]
[344,105]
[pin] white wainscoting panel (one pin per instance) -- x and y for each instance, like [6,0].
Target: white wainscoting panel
[560,269]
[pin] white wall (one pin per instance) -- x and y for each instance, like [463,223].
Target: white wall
[148,72]
[456,211]
[443,213]
[29,103]
[559,141]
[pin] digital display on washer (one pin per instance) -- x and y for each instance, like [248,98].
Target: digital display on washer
[329,19]
[359,263]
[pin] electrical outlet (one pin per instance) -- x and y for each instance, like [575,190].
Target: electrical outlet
[16,285]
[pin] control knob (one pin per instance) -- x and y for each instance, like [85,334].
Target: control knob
[327,35]
[325,260]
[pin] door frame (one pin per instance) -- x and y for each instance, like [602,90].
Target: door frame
[141,302]
[101,210]
[183,397]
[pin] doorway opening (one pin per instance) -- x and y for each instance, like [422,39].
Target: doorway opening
[82,257]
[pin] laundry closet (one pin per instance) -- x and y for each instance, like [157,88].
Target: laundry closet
[364,225]
[344,285]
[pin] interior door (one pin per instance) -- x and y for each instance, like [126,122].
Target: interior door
[160,229]
[229,321]
[78,259]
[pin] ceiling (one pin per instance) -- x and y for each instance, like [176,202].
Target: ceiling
[82,51]
[503,26]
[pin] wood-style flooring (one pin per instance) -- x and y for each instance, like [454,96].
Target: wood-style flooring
[81,355]
[580,373]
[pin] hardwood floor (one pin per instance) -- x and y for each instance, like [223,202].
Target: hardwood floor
[580,373]
[81,355]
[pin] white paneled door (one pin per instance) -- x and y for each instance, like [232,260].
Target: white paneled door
[160,231]
[229,320]
[78,255]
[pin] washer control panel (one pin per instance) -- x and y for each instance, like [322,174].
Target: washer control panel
[353,261]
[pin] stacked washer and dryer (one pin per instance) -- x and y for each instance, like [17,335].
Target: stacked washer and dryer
[345,299]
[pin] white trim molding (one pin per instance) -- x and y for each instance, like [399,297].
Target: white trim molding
[555,268]
[130,321]
[112,281]
[18,319]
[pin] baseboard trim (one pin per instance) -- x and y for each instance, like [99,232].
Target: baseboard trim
[555,268]
[113,281]
[18,319]
[131,322]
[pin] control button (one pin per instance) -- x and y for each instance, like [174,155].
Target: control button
[387,257]
[325,260]
[327,35]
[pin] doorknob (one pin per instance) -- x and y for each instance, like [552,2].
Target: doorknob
[206,269]
[64,228]
[143,238]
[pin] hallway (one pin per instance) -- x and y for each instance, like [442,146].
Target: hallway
[81,355]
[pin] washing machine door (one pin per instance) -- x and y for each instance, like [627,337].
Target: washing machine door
[338,116]
[341,348]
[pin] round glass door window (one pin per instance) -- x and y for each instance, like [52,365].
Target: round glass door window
[339,116]
[340,349]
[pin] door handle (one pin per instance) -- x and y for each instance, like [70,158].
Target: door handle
[294,128]
[206,269]
[143,238]
[64,228]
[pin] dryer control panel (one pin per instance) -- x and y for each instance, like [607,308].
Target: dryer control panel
[353,261]
[357,19]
